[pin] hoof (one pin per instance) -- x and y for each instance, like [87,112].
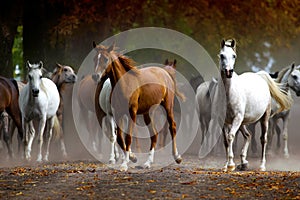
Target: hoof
[146,166]
[286,156]
[242,167]
[262,169]
[133,158]
[123,168]
[230,168]
[224,169]
[178,160]
[112,162]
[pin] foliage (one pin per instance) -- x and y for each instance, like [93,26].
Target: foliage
[251,22]
[17,50]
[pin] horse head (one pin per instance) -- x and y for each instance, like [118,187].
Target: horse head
[170,66]
[294,79]
[35,77]
[227,57]
[101,56]
[63,74]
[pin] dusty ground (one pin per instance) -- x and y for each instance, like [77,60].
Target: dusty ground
[83,177]
[193,178]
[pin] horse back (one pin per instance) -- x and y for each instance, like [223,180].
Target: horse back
[52,95]
[8,92]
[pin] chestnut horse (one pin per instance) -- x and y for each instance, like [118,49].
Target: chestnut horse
[9,94]
[61,76]
[135,91]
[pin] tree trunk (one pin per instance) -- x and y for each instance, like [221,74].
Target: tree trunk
[10,18]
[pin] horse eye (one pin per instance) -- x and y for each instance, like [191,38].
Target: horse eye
[41,77]
[30,77]
[222,56]
[295,77]
[65,70]
[234,56]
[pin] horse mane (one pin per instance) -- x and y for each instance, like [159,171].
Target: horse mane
[15,84]
[127,63]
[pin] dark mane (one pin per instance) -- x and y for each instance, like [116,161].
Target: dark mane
[127,63]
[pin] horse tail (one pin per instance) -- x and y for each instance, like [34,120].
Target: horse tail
[178,93]
[284,100]
[57,129]
[171,72]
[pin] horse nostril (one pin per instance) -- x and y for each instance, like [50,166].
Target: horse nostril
[35,92]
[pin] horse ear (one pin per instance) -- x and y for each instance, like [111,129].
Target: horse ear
[214,80]
[59,65]
[222,43]
[28,64]
[111,47]
[94,44]
[233,43]
[41,65]
[174,62]
[292,67]
[166,62]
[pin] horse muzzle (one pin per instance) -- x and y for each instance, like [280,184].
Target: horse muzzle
[228,73]
[35,92]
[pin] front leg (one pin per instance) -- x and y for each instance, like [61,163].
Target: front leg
[230,138]
[41,128]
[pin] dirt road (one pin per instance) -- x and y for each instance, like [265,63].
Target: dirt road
[193,179]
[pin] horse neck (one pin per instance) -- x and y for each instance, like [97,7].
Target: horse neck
[59,84]
[226,81]
[284,80]
[116,74]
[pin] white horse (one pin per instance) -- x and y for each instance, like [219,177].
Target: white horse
[204,101]
[39,100]
[289,77]
[248,99]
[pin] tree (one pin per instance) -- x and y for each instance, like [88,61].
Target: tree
[10,18]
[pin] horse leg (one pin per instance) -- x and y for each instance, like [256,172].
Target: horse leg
[278,132]
[6,134]
[29,132]
[230,138]
[60,131]
[41,128]
[272,124]
[172,128]
[120,140]
[263,139]
[153,134]
[285,136]
[48,136]
[251,128]
[226,145]
[247,139]
[109,124]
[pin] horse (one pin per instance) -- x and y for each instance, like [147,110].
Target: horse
[289,78]
[9,103]
[61,76]
[248,99]
[39,100]
[86,95]
[204,93]
[140,89]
